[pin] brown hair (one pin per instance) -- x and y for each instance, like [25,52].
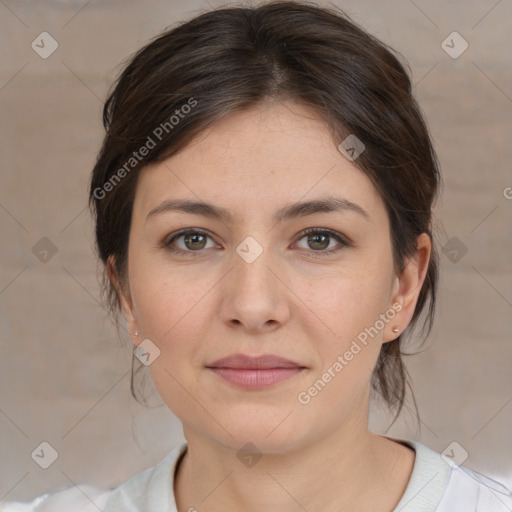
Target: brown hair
[229,59]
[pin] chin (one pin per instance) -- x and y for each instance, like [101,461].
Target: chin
[263,435]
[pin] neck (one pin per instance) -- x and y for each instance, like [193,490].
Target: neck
[350,469]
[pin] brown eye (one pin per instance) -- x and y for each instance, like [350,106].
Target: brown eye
[192,240]
[319,240]
[196,241]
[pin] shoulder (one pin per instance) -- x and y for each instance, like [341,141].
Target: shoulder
[149,490]
[470,491]
[438,484]
[85,498]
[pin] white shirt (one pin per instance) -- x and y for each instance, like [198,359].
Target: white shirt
[434,486]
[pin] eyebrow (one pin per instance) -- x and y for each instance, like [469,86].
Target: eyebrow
[289,211]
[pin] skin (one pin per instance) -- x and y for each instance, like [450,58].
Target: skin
[290,301]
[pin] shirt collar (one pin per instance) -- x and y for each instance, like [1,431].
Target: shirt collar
[429,478]
[153,489]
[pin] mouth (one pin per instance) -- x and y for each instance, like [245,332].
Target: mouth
[255,372]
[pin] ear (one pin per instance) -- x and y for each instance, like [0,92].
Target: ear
[407,287]
[125,299]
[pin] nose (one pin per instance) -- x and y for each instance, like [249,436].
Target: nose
[255,295]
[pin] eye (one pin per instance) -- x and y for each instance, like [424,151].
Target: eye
[194,240]
[320,239]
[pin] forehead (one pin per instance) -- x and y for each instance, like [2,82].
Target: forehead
[257,160]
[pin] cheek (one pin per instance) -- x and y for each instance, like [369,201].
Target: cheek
[346,330]
[349,312]
[172,315]
[175,308]
[168,310]
[348,299]
[163,294]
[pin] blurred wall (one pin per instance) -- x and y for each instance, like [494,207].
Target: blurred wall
[65,374]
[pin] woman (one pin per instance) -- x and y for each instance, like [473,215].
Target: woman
[263,203]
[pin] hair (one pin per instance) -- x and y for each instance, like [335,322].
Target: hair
[230,59]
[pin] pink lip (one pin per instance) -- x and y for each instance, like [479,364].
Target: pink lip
[255,372]
[243,362]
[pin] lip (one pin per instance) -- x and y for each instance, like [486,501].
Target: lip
[244,362]
[255,372]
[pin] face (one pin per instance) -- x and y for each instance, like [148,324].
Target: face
[305,286]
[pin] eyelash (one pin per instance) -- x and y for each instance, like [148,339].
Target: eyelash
[343,242]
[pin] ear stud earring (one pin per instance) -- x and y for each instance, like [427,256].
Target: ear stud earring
[395,329]
[136,333]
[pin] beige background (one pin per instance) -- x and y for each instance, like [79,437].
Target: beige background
[65,375]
